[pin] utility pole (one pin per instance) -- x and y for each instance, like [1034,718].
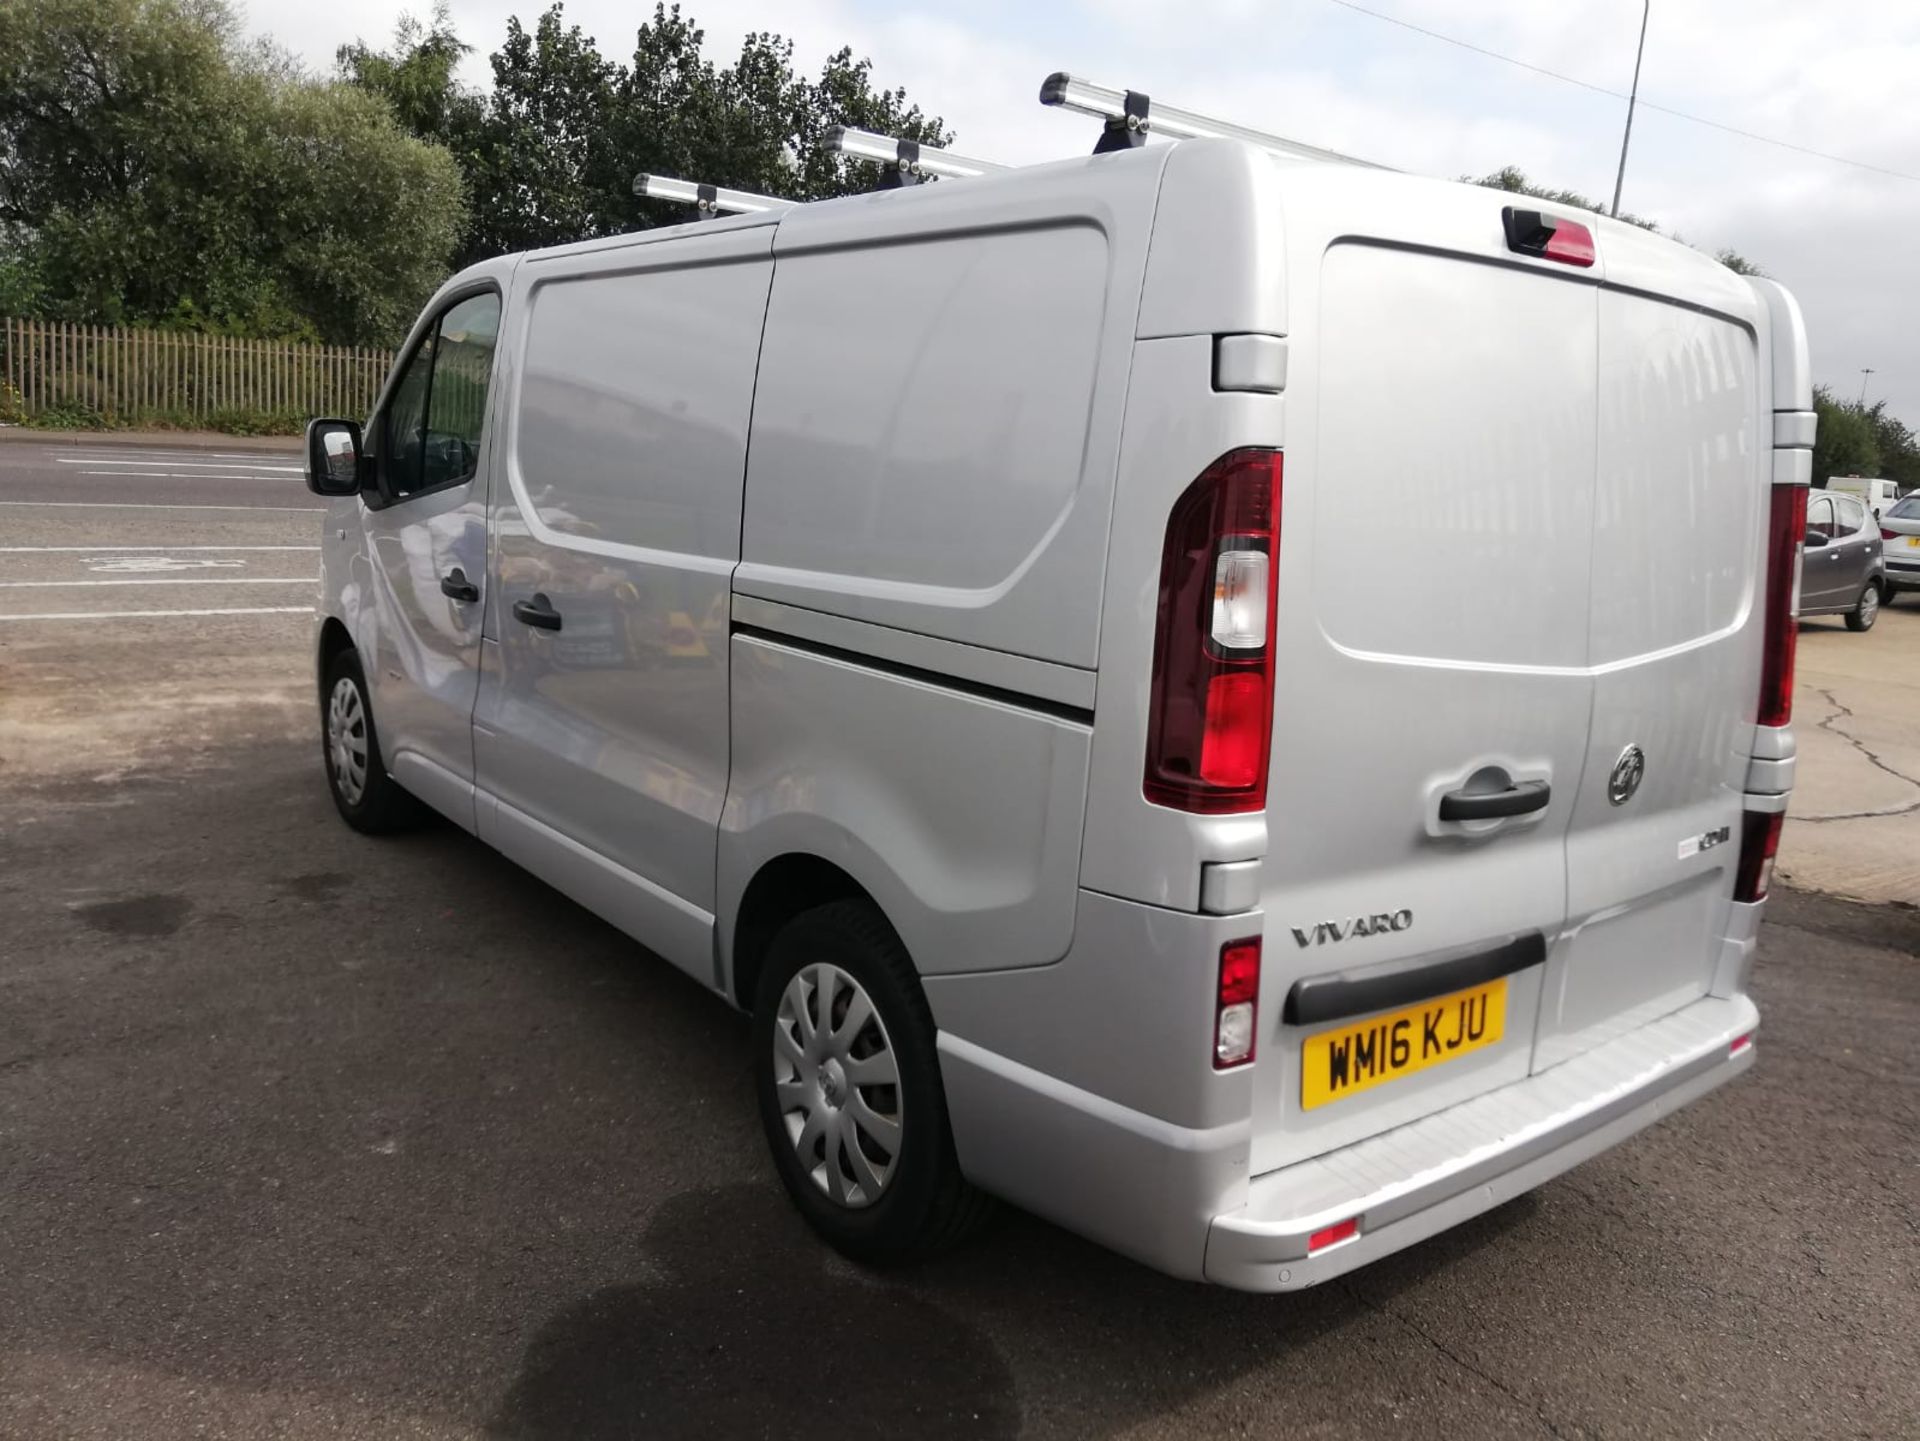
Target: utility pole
[1646,9]
[1865,371]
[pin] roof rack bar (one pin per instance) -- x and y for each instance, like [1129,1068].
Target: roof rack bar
[709,200]
[907,162]
[1130,115]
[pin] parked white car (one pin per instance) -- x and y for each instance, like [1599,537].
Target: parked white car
[1217,697]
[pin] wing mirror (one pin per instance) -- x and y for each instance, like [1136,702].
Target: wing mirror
[333,457]
[1817,537]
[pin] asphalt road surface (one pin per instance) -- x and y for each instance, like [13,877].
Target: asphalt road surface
[303,1134]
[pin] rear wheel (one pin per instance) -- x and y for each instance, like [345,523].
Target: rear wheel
[1867,609]
[367,798]
[849,1088]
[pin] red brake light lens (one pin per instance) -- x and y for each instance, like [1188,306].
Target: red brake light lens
[1210,709]
[1786,533]
[1886,534]
[1237,1003]
[1759,844]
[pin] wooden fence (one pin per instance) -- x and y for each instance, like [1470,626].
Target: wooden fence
[125,375]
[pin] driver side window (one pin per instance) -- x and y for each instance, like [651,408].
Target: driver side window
[430,435]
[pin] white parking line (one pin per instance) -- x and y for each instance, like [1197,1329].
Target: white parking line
[216,580]
[176,460]
[90,549]
[154,505]
[140,614]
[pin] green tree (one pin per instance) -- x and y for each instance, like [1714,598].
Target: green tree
[153,171]
[1844,442]
[549,154]
[1899,447]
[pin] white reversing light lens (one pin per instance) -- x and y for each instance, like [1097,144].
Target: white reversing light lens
[1240,599]
[1233,1035]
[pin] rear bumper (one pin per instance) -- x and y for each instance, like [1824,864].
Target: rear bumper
[1178,1198]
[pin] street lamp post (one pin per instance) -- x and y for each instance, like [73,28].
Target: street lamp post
[1865,371]
[1646,9]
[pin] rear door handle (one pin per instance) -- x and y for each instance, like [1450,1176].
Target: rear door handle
[537,612]
[455,586]
[1516,800]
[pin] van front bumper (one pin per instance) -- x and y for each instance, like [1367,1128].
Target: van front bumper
[1155,1191]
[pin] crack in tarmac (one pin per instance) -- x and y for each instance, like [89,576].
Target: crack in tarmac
[1828,726]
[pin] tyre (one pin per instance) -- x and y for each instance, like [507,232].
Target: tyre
[1866,610]
[367,798]
[849,1089]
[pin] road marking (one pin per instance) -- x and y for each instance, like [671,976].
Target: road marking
[179,475]
[148,564]
[177,456]
[93,549]
[140,614]
[204,465]
[154,505]
[219,580]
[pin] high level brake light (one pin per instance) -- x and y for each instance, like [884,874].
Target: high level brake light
[1210,706]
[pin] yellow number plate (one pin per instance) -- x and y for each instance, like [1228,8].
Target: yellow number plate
[1337,1064]
[1914,541]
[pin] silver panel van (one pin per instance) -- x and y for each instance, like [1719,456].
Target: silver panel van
[1240,704]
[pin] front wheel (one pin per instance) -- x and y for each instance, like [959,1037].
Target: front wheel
[849,1087]
[367,798]
[1867,609]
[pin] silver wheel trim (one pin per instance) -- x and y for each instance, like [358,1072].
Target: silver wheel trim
[1870,603]
[347,740]
[837,1084]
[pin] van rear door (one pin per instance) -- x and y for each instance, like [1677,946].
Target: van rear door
[1431,649]
[1676,631]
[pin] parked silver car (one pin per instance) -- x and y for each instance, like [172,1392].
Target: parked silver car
[1200,700]
[1843,571]
[1900,540]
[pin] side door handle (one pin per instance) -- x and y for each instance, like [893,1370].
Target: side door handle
[1516,800]
[537,612]
[455,586]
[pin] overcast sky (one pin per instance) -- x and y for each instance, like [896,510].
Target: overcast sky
[1839,77]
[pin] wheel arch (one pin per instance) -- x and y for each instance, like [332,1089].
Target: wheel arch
[782,888]
[333,639]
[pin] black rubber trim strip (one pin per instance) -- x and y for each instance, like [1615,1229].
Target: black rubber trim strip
[1059,711]
[1317,999]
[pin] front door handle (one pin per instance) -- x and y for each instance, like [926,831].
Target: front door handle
[455,586]
[1516,800]
[537,612]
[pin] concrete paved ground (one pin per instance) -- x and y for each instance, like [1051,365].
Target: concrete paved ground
[307,1135]
[1854,828]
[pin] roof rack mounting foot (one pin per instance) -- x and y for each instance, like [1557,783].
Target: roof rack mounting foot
[1127,131]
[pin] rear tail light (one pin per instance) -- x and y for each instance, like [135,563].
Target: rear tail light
[1739,1044]
[1210,708]
[1237,1004]
[1786,533]
[1886,534]
[1759,843]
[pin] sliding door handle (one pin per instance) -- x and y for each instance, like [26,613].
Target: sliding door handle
[537,612]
